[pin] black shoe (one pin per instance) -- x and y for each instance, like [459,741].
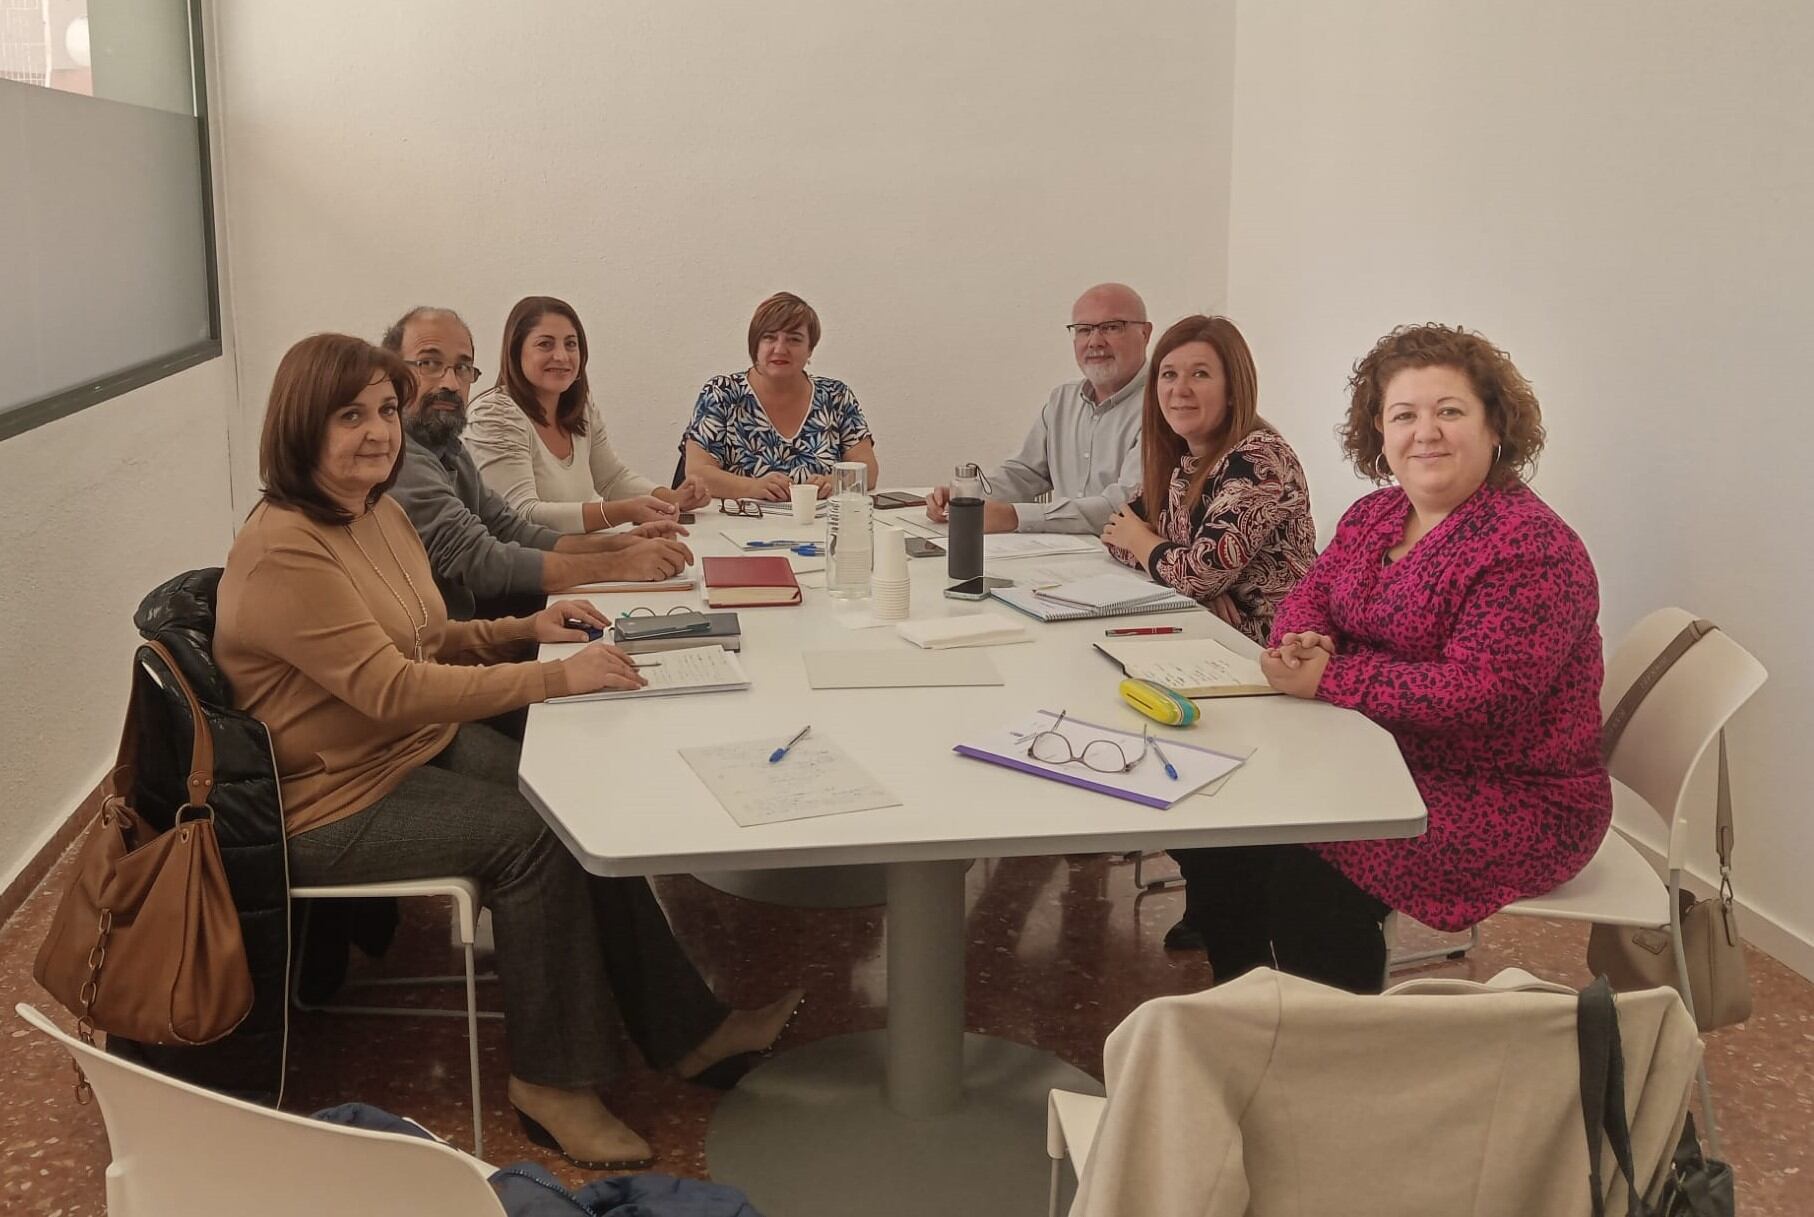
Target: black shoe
[1184,937]
[725,1074]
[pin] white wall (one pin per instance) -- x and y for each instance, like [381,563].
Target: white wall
[96,509]
[938,179]
[1620,195]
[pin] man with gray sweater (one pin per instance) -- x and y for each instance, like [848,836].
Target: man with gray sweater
[488,560]
[1084,448]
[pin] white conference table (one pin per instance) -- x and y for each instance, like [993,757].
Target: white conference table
[954,1116]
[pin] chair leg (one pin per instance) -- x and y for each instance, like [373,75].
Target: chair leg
[302,946]
[472,1054]
[1451,954]
[1052,1195]
[1140,880]
[1709,1124]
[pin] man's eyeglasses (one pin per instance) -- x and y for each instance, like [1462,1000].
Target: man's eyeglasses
[753,508]
[432,367]
[1108,329]
[1102,755]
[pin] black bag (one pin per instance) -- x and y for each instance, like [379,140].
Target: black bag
[1697,1186]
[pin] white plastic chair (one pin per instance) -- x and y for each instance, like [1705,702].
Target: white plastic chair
[464,894]
[1071,1120]
[1662,745]
[179,1151]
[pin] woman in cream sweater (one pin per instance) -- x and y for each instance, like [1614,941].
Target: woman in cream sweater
[331,632]
[539,442]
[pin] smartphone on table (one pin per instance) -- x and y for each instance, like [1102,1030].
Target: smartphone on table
[922,547]
[976,589]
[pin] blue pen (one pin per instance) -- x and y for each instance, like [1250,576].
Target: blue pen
[1170,771]
[806,549]
[783,750]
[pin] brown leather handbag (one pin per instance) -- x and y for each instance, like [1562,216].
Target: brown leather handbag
[146,942]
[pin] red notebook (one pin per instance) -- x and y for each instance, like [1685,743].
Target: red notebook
[748,582]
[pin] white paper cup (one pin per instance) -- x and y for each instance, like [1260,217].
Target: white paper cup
[891,555]
[805,498]
[890,599]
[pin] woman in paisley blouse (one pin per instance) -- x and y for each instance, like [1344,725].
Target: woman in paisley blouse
[1459,612]
[1223,515]
[756,433]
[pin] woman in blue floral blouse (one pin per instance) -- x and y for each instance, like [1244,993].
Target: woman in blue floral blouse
[756,433]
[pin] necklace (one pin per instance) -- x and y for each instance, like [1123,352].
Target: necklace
[419,629]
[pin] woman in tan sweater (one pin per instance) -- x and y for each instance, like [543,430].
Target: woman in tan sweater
[331,632]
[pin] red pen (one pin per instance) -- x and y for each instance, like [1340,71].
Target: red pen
[1144,629]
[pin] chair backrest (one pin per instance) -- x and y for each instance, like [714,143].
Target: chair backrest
[1682,715]
[179,1150]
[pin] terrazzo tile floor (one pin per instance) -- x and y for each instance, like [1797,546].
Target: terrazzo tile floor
[1060,950]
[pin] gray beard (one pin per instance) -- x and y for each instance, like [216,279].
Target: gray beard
[433,427]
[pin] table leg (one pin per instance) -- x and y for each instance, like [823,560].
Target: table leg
[875,1122]
[925,1061]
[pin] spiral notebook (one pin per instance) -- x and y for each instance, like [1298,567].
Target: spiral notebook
[1028,602]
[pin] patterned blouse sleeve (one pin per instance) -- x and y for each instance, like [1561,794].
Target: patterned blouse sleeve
[1258,487]
[852,427]
[1520,620]
[710,427]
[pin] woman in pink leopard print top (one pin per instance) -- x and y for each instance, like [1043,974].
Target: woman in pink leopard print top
[1223,513]
[1459,612]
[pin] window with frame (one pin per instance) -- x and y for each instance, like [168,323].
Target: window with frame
[107,249]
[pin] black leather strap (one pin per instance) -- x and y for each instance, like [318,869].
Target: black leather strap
[1603,1092]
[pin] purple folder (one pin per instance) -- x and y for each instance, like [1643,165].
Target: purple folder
[1039,771]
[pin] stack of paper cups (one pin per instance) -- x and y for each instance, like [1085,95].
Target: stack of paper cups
[888,585]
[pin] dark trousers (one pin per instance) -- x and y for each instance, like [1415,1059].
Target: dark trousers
[568,942]
[1283,906]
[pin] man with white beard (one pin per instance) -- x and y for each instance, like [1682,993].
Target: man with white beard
[1084,450]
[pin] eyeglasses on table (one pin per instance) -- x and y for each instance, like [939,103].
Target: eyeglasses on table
[1102,755]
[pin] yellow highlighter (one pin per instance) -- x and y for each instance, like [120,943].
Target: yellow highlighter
[1159,703]
[1155,701]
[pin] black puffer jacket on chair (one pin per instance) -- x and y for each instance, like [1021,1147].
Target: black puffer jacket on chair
[248,820]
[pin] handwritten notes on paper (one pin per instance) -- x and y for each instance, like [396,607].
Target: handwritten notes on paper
[1195,667]
[816,778]
[709,669]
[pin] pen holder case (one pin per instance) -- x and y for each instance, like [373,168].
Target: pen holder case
[1159,703]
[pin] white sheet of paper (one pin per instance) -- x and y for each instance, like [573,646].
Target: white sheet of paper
[1109,590]
[816,778]
[1197,766]
[1037,544]
[913,520]
[860,616]
[734,535]
[914,669]
[1062,568]
[692,670]
[686,580]
[1184,663]
[1215,787]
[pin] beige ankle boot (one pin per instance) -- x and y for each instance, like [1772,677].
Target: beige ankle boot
[577,1125]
